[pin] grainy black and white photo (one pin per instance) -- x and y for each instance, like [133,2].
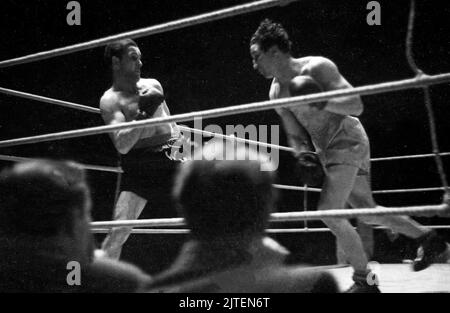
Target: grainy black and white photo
[227,146]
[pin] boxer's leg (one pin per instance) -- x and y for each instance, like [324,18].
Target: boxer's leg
[129,206]
[433,247]
[338,185]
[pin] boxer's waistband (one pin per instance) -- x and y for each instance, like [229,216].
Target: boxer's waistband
[166,145]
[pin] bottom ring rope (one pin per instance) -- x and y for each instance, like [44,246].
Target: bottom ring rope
[300,188]
[426,210]
[153,231]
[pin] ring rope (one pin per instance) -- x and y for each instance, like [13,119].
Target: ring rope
[289,149]
[278,186]
[193,130]
[48,100]
[300,188]
[95,110]
[409,190]
[237,139]
[156,29]
[425,210]
[157,231]
[85,166]
[427,100]
[237,109]
[296,188]
[412,156]
[409,39]
[292,216]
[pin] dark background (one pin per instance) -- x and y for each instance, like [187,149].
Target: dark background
[208,66]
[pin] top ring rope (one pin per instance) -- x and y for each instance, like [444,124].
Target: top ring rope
[427,100]
[416,82]
[156,29]
[193,130]
[95,110]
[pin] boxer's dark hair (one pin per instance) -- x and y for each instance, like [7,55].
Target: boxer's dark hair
[271,34]
[117,49]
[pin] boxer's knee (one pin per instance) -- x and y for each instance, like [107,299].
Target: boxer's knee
[121,232]
[336,224]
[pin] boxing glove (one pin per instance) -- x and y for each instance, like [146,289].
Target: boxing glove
[305,85]
[310,168]
[149,101]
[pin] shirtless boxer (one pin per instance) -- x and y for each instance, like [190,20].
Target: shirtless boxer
[145,152]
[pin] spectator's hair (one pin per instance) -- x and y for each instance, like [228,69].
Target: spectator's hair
[117,49]
[271,34]
[225,198]
[39,197]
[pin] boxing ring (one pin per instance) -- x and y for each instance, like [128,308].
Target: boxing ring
[398,272]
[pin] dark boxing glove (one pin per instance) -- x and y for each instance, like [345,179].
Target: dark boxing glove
[149,101]
[305,85]
[310,168]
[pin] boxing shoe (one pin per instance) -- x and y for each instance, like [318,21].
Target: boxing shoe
[365,282]
[433,249]
[363,287]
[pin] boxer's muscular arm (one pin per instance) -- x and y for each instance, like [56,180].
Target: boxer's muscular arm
[123,139]
[326,73]
[297,136]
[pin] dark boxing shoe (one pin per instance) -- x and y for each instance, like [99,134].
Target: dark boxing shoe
[359,287]
[433,249]
[365,282]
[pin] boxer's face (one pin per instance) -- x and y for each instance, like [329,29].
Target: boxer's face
[130,64]
[262,61]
